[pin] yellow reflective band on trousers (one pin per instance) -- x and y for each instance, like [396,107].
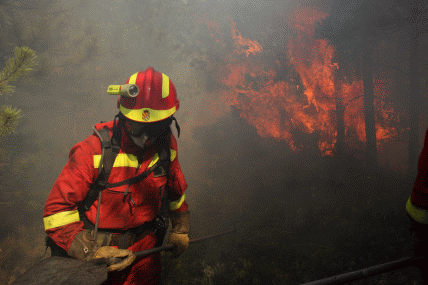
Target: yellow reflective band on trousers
[61,219]
[417,214]
[174,205]
[122,160]
[156,157]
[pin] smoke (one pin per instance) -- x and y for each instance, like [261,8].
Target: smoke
[236,178]
[128,36]
[90,45]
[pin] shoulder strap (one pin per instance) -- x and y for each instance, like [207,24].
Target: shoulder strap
[110,149]
[164,152]
[162,147]
[162,218]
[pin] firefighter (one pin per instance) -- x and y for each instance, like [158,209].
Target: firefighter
[129,203]
[417,209]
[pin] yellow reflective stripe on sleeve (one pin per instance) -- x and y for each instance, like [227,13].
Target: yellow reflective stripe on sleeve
[122,160]
[418,214]
[174,205]
[165,86]
[156,157]
[61,219]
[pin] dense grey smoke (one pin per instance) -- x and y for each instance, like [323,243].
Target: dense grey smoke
[236,177]
[92,44]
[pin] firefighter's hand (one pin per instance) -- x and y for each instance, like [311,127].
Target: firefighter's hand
[179,231]
[84,247]
[125,257]
[181,240]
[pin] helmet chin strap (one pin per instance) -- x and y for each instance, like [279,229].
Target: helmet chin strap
[117,129]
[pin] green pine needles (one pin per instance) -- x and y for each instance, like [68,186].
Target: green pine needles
[9,119]
[20,65]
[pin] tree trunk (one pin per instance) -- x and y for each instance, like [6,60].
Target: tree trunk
[340,125]
[414,96]
[369,114]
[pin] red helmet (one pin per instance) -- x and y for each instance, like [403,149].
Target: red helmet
[156,101]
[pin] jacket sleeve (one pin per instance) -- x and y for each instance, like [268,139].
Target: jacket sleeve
[417,205]
[60,217]
[177,183]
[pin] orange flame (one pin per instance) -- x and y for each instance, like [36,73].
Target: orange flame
[243,45]
[303,114]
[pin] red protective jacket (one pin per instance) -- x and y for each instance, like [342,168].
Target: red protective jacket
[417,204]
[142,204]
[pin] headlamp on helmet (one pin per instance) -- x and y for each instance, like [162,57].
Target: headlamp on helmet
[126,90]
[147,103]
[153,98]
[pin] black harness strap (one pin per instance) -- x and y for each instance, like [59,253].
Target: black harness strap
[110,149]
[162,219]
[137,178]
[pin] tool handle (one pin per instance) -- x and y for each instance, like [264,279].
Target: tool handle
[113,260]
[168,247]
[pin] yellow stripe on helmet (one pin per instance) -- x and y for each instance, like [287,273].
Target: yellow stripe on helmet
[122,160]
[165,86]
[133,78]
[417,214]
[174,205]
[147,115]
[61,219]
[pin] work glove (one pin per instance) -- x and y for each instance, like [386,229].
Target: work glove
[179,232]
[84,247]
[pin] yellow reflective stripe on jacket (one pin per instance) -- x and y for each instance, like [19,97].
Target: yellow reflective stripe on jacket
[129,160]
[61,219]
[417,214]
[122,160]
[156,157]
[174,205]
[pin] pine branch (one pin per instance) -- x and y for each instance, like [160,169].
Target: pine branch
[9,119]
[21,64]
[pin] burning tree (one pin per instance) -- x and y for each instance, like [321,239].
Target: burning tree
[356,37]
[310,97]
